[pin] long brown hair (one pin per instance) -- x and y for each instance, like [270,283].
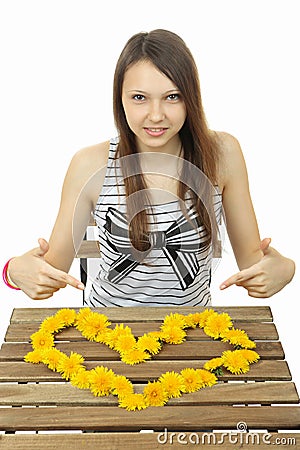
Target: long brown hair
[168,52]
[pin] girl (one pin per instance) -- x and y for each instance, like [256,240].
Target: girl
[157,193]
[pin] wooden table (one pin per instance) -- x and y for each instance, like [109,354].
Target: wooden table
[50,413]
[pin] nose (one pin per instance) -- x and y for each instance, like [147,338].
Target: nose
[156,112]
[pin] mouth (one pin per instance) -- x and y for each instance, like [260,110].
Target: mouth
[155,131]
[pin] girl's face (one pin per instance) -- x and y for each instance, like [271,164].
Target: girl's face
[154,109]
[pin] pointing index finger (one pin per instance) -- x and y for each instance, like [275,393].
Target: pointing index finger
[74,282]
[68,279]
[238,277]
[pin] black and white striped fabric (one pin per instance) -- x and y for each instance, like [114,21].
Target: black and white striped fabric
[176,269]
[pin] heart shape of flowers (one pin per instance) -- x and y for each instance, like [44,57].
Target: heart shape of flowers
[103,381]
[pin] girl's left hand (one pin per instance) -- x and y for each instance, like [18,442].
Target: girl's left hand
[265,278]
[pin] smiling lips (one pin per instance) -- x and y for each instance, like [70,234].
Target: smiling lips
[155,132]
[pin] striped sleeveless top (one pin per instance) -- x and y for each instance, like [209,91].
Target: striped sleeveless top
[177,269]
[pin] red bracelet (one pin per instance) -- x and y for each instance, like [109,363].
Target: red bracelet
[5,277]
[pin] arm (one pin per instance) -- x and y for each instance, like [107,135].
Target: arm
[267,271]
[42,271]
[239,214]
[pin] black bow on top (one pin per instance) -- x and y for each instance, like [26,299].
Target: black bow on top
[180,243]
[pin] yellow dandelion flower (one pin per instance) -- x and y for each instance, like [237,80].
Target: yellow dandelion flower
[81,379]
[190,321]
[235,362]
[81,318]
[52,357]
[82,315]
[154,394]
[35,357]
[104,336]
[93,324]
[192,380]
[173,384]
[101,380]
[213,364]
[125,343]
[69,365]
[201,317]
[131,402]
[155,334]
[247,343]
[99,321]
[173,335]
[217,324]
[89,332]
[121,386]
[149,343]
[68,316]
[116,333]
[134,356]
[42,340]
[238,338]
[174,320]
[208,378]
[52,324]
[250,355]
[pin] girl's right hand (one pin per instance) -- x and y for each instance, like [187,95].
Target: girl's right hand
[37,278]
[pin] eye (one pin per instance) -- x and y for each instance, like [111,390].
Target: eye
[138,97]
[173,97]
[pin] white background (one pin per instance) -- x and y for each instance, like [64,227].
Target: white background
[57,61]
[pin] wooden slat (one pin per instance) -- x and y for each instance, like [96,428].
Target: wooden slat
[136,314]
[21,332]
[271,370]
[221,394]
[109,418]
[149,441]
[188,350]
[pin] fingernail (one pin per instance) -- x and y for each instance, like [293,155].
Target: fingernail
[81,286]
[223,286]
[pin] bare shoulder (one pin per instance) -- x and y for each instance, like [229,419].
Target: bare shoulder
[86,171]
[231,157]
[228,144]
[91,158]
